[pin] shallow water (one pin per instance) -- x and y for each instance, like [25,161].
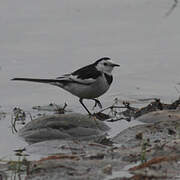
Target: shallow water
[48,39]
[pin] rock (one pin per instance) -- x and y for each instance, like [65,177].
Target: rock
[162,131]
[68,167]
[3,175]
[90,149]
[155,145]
[107,169]
[162,167]
[63,126]
[158,116]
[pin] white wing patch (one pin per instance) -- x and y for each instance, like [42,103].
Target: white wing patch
[83,81]
[74,78]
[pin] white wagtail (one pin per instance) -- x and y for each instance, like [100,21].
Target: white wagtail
[88,82]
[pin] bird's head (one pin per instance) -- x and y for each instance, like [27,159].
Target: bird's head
[105,65]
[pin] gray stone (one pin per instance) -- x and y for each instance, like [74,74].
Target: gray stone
[68,169]
[63,126]
[158,116]
[165,129]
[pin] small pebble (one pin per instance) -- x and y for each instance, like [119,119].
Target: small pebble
[107,169]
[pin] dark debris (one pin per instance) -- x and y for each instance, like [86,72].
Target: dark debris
[132,112]
[156,105]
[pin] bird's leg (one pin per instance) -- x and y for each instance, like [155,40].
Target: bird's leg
[81,101]
[97,102]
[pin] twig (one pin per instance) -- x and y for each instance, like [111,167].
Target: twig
[172,7]
[112,107]
[13,123]
[30,116]
[119,119]
[177,89]
[61,110]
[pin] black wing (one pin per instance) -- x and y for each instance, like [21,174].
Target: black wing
[87,72]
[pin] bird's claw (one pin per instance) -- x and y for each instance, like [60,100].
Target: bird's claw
[97,102]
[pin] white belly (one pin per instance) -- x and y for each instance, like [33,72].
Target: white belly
[94,90]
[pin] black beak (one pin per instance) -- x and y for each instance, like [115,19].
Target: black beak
[113,65]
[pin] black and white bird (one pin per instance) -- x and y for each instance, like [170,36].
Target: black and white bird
[88,82]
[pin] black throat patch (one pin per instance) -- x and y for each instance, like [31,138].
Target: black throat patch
[109,78]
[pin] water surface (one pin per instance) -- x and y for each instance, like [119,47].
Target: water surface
[50,38]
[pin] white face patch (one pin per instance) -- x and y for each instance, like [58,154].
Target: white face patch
[105,66]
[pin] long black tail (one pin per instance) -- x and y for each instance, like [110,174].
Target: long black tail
[36,80]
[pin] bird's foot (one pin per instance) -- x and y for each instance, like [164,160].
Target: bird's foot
[97,102]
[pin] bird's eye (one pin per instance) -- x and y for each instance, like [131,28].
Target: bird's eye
[105,64]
